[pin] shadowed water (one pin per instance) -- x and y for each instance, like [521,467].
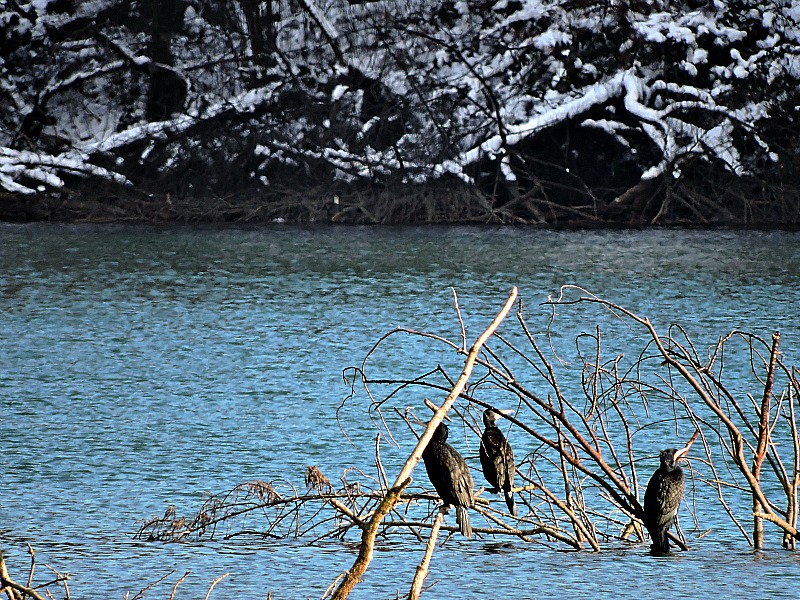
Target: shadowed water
[143,367]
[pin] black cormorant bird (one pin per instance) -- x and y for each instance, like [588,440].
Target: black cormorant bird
[497,459]
[662,497]
[449,474]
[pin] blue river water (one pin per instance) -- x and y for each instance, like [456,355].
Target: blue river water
[143,367]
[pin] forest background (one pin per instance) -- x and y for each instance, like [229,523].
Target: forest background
[557,113]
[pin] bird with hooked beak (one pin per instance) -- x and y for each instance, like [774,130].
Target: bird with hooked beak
[663,496]
[497,458]
[450,476]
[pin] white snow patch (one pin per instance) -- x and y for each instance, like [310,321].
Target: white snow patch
[338,92]
[550,39]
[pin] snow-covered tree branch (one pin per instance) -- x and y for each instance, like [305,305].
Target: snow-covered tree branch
[538,108]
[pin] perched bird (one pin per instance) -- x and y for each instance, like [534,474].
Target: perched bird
[662,497]
[497,459]
[449,474]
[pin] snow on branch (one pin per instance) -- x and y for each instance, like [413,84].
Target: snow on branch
[672,135]
[42,167]
[58,85]
[592,96]
[328,30]
[242,103]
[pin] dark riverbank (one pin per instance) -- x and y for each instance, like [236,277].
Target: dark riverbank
[701,199]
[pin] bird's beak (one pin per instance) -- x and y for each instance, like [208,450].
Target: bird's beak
[681,454]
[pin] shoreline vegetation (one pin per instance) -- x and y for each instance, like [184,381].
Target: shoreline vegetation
[568,114]
[730,202]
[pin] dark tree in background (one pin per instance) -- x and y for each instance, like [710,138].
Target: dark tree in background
[168,89]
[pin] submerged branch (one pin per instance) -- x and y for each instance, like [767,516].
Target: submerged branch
[354,574]
[582,458]
[422,569]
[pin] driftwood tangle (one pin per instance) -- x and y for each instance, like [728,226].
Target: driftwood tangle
[580,478]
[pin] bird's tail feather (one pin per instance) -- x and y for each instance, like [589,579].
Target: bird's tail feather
[660,543]
[512,508]
[462,518]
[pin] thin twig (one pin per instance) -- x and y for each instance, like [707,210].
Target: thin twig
[214,583]
[177,583]
[422,569]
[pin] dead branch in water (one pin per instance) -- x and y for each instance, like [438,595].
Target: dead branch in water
[422,569]
[588,416]
[740,424]
[581,466]
[404,477]
[41,591]
[17,591]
